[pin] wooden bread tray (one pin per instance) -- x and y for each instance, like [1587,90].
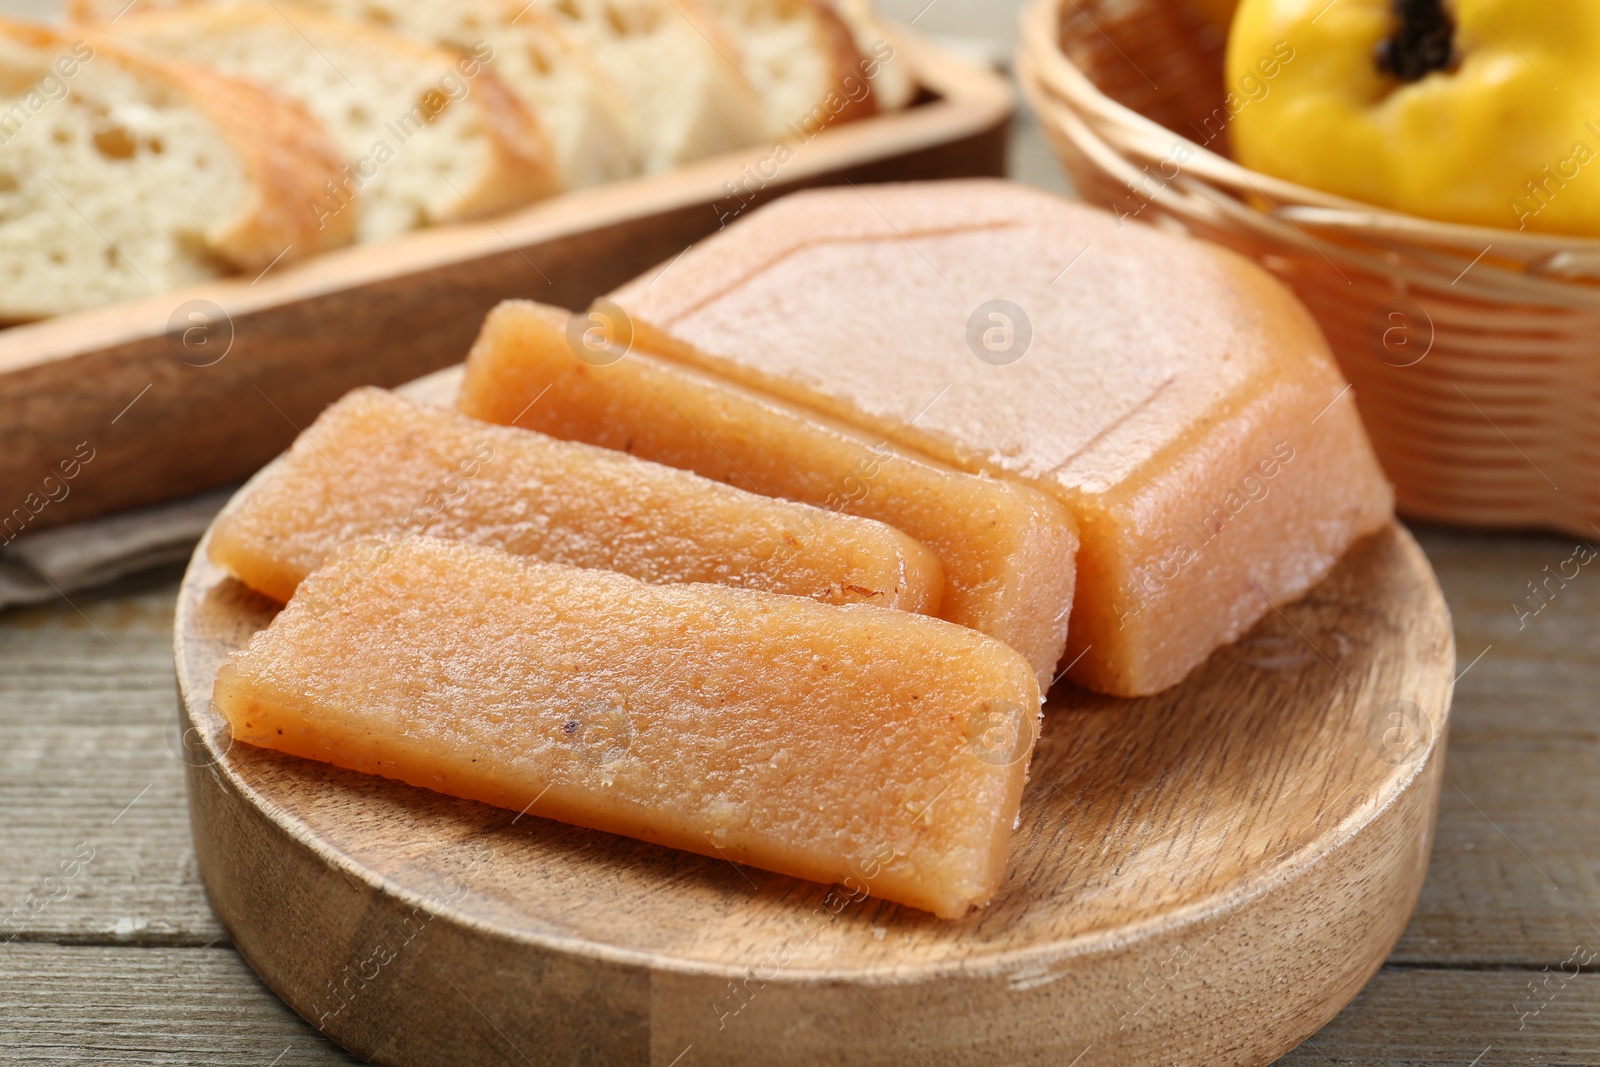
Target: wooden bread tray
[158,398]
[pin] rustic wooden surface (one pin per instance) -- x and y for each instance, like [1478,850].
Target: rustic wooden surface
[129,966]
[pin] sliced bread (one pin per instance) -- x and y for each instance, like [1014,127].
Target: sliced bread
[428,135]
[585,114]
[680,68]
[122,174]
[696,77]
[894,85]
[803,60]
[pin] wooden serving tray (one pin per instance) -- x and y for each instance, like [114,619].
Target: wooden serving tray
[196,388]
[1205,876]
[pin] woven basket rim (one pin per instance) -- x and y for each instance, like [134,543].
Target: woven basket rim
[1043,66]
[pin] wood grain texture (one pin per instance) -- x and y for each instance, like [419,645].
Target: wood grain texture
[1187,851]
[1482,930]
[166,1007]
[88,727]
[119,1005]
[1447,1018]
[165,420]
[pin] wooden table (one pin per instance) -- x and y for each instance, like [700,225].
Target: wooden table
[123,962]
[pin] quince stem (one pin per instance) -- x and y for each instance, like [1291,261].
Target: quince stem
[1423,42]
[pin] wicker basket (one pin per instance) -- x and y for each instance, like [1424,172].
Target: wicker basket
[1475,352]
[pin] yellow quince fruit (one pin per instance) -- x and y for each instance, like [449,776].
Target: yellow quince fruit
[1474,111]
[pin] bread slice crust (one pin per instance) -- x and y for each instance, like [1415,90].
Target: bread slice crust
[799,97]
[587,117]
[284,155]
[328,55]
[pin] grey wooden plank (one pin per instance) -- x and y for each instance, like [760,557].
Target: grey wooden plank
[1454,1018]
[1514,876]
[141,1005]
[126,1005]
[1537,674]
[89,764]
[1515,872]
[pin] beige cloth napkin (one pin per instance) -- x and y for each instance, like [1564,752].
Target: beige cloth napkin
[39,567]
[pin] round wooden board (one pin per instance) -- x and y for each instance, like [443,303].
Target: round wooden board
[1206,876]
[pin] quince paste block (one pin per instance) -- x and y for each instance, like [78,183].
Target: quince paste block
[1179,401]
[375,463]
[1008,551]
[879,749]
